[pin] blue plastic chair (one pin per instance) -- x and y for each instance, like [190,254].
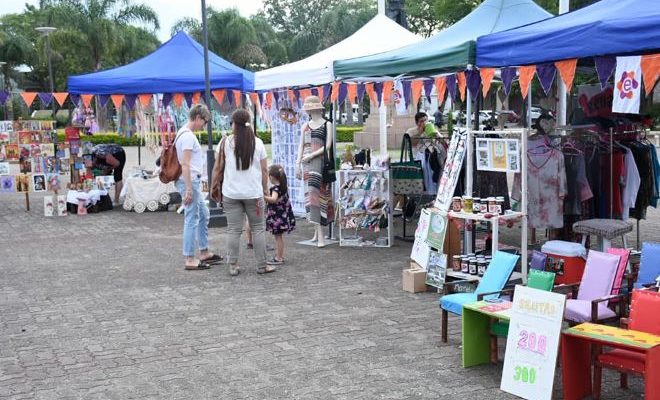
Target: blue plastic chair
[649,265]
[496,276]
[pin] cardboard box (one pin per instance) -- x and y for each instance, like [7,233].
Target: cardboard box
[414,280]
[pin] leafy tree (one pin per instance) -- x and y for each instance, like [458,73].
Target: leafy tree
[422,18]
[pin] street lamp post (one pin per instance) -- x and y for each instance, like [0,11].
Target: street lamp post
[2,84]
[46,31]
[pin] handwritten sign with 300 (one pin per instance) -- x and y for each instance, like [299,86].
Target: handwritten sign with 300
[525,374]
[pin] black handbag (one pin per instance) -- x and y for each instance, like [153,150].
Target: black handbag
[329,174]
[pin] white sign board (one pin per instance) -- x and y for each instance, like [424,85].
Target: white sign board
[421,252]
[532,344]
[500,155]
[451,171]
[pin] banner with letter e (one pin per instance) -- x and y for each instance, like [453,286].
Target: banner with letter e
[533,343]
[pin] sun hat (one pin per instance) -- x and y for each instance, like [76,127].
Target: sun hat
[313,103]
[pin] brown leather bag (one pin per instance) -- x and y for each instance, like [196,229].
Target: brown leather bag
[218,173]
[170,168]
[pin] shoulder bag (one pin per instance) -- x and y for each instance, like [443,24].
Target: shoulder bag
[407,176]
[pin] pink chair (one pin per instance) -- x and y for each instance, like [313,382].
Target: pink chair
[624,255]
[595,289]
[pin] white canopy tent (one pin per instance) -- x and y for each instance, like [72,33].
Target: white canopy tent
[376,36]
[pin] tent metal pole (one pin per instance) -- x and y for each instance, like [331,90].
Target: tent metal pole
[382,128]
[207,97]
[561,88]
[467,237]
[523,195]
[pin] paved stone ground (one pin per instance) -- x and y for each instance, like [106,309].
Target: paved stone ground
[99,307]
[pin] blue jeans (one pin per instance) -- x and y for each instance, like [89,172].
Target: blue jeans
[196,219]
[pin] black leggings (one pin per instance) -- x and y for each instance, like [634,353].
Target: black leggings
[118,172]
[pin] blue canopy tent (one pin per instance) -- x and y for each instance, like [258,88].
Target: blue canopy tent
[450,50]
[177,66]
[608,27]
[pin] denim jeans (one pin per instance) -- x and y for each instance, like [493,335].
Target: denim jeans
[196,219]
[236,211]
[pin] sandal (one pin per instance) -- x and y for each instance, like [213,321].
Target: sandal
[274,261]
[200,266]
[234,270]
[266,270]
[214,259]
[250,246]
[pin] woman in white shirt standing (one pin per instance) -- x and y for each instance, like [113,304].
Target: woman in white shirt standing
[244,183]
[196,215]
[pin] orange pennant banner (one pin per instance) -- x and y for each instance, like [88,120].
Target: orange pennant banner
[441,88]
[145,100]
[417,86]
[292,96]
[305,93]
[238,98]
[351,93]
[566,70]
[387,91]
[254,98]
[117,99]
[269,100]
[219,95]
[87,99]
[371,92]
[196,98]
[178,98]
[60,97]
[650,71]
[334,95]
[321,93]
[462,84]
[526,75]
[487,75]
[28,97]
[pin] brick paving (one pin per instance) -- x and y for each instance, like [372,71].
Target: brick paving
[99,307]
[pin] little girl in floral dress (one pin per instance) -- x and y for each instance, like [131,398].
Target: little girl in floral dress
[279,214]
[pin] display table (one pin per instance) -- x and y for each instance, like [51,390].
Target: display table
[477,319]
[142,194]
[495,220]
[576,356]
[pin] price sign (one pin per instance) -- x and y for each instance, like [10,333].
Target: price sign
[532,343]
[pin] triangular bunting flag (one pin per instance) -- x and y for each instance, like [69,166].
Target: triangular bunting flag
[460,79]
[254,98]
[378,87]
[351,92]
[360,92]
[473,82]
[45,98]
[526,75]
[487,75]
[145,100]
[371,92]
[604,67]
[75,99]
[406,91]
[416,88]
[103,100]
[188,98]
[305,93]
[650,71]
[87,99]
[324,92]
[28,97]
[196,97]
[4,95]
[428,88]
[238,98]
[441,88]
[130,100]
[567,72]
[167,99]
[343,92]
[219,95]
[546,74]
[451,85]
[60,97]
[177,98]
[292,96]
[335,91]
[508,75]
[387,91]
[276,97]
[269,100]
[117,100]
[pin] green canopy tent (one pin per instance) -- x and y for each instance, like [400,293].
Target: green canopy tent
[451,50]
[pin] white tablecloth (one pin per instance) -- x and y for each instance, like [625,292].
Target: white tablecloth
[140,190]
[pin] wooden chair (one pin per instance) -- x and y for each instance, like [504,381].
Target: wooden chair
[644,317]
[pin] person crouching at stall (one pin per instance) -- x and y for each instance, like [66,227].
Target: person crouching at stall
[110,158]
[196,214]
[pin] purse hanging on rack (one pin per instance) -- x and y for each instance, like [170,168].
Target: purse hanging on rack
[407,176]
[329,174]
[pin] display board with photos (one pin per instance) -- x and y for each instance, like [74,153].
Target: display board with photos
[499,155]
[532,343]
[452,170]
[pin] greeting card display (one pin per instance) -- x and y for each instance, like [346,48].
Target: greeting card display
[61,206]
[25,165]
[38,183]
[22,183]
[54,183]
[49,206]
[12,152]
[4,168]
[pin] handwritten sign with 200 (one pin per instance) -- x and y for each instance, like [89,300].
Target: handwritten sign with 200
[530,341]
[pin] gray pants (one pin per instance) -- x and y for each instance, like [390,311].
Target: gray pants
[236,211]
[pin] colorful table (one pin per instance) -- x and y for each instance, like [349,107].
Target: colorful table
[576,345]
[476,329]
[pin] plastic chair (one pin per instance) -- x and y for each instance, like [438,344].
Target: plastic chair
[595,289]
[644,317]
[624,255]
[496,276]
[649,265]
[538,261]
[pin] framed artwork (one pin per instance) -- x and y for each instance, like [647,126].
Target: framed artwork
[7,184]
[47,149]
[25,165]
[12,152]
[54,182]
[22,183]
[24,137]
[49,206]
[38,183]
[4,168]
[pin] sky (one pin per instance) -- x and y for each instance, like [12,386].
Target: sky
[169,11]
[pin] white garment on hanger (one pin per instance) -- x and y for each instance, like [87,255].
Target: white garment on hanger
[630,184]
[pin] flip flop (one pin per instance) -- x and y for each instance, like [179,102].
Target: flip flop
[266,270]
[200,266]
[275,261]
[214,259]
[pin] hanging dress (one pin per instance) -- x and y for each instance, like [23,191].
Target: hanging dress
[318,197]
